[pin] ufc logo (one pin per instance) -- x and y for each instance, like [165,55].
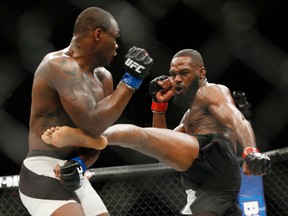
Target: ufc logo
[132,64]
[251,208]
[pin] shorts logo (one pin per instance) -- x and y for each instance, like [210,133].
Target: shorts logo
[79,169]
[132,64]
[251,208]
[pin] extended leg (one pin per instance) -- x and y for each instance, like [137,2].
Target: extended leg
[174,148]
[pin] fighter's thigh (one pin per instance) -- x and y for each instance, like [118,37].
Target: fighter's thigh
[176,148]
[45,207]
[71,209]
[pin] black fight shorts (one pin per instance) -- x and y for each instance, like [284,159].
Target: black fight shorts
[213,181]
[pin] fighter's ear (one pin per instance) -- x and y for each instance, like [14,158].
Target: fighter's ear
[97,34]
[202,72]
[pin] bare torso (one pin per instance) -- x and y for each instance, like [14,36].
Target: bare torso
[199,119]
[47,109]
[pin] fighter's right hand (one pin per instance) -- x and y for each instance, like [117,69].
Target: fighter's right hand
[138,64]
[161,89]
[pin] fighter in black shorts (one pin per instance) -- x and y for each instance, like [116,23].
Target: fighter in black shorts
[210,187]
[207,159]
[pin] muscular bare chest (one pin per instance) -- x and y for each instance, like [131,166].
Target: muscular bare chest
[199,120]
[194,119]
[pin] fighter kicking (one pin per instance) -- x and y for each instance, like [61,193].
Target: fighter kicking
[202,147]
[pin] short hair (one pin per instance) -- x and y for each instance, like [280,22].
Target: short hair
[92,18]
[193,54]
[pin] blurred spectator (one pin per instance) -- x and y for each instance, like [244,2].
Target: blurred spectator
[242,104]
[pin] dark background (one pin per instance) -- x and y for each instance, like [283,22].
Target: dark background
[243,44]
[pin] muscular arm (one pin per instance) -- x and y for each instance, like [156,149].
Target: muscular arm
[159,120]
[91,116]
[222,107]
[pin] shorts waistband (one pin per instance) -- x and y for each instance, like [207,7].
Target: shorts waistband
[211,136]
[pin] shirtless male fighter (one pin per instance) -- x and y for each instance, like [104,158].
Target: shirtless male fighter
[202,147]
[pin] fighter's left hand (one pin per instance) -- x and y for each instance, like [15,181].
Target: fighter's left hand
[255,163]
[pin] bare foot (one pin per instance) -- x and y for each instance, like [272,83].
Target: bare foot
[67,136]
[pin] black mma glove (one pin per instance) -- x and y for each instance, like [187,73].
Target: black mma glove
[72,173]
[258,163]
[153,88]
[137,65]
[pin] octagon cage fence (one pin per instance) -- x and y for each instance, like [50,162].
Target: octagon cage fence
[153,189]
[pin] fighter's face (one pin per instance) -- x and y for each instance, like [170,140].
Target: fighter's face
[111,44]
[185,76]
[108,46]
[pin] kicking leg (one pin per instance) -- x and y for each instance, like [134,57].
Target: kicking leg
[174,148]
[67,136]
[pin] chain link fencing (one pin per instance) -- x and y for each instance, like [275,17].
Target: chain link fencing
[152,189]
